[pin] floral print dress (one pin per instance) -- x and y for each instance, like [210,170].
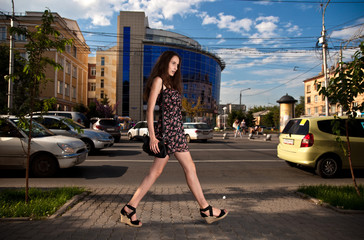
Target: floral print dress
[174,136]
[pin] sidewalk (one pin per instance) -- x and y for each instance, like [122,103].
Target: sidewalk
[170,212]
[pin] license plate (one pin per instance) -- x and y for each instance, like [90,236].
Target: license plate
[110,129]
[288,141]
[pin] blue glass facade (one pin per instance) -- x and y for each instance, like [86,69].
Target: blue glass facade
[126,71]
[201,74]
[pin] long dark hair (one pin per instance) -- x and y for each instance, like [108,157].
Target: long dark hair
[160,69]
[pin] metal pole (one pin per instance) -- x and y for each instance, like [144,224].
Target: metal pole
[324,57]
[240,95]
[11,64]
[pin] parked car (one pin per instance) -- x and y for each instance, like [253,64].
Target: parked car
[311,142]
[49,152]
[75,116]
[198,131]
[139,130]
[94,140]
[109,125]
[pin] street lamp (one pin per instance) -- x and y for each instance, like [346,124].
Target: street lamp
[224,108]
[240,94]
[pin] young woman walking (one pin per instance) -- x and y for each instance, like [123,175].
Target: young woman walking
[166,77]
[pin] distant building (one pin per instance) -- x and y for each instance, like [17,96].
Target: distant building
[68,86]
[315,103]
[138,47]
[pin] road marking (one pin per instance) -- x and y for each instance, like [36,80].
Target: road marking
[196,161]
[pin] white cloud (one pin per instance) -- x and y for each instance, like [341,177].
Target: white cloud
[227,22]
[101,11]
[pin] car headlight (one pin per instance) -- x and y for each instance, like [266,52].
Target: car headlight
[66,147]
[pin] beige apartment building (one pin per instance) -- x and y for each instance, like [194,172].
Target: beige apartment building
[68,86]
[102,76]
[315,103]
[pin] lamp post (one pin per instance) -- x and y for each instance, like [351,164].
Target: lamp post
[240,94]
[224,108]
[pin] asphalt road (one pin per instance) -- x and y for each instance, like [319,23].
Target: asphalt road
[224,162]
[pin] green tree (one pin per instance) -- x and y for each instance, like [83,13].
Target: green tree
[40,39]
[192,109]
[300,107]
[347,84]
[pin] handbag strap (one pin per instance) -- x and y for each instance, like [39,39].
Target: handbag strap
[162,110]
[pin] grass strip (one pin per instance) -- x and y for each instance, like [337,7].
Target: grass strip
[42,202]
[344,197]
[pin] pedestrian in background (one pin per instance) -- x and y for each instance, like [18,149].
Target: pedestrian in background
[236,126]
[243,126]
[166,77]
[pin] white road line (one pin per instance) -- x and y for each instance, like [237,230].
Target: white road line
[196,161]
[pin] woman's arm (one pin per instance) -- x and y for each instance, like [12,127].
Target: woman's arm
[153,95]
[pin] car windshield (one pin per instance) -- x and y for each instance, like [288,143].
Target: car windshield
[38,130]
[297,126]
[108,122]
[201,126]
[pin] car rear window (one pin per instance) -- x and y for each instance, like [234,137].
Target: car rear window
[356,127]
[297,126]
[108,122]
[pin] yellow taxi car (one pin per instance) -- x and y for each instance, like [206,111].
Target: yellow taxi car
[311,142]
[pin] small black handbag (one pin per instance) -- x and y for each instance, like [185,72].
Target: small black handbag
[162,147]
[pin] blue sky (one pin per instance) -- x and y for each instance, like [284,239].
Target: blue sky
[268,46]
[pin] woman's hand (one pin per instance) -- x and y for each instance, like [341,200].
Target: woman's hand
[153,145]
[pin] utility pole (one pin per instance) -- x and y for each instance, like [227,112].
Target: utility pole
[11,64]
[240,95]
[324,57]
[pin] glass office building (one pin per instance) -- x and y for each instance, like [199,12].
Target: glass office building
[139,48]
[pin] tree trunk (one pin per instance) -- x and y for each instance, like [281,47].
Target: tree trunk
[349,158]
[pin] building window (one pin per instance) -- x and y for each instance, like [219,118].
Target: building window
[185,87]
[316,110]
[102,94]
[74,71]
[3,33]
[102,72]
[60,61]
[92,86]
[102,83]
[308,99]
[75,51]
[67,89]
[93,71]
[323,109]
[316,98]
[102,61]
[68,48]
[73,92]
[68,67]
[333,108]
[308,88]
[126,71]
[308,111]
[19,38]
[60,87]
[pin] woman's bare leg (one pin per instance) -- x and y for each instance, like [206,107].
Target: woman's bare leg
[154,172]
[193,183]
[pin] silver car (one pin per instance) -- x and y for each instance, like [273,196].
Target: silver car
[49,152]
[94,140]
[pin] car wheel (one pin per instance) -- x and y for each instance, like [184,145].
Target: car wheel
[130,137]
[188,138]
[328,167]
[89,145]
[44,165]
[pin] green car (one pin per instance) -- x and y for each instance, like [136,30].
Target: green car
[310,142]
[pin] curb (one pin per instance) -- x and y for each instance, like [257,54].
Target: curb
[69,204]
[327,205]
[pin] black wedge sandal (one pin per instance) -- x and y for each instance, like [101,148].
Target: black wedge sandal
[126,218]
[211,218]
